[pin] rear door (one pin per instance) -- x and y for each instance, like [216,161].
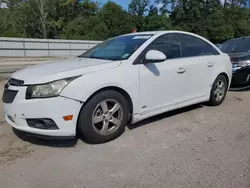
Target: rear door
[200,59]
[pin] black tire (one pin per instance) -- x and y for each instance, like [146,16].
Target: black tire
[85,117]
[213,101]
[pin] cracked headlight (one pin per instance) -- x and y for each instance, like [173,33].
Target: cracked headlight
[51,89]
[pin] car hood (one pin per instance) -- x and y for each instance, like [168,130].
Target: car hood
[62,69]
[239,56]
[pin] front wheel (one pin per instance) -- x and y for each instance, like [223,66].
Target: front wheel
[104,117]
[218,91]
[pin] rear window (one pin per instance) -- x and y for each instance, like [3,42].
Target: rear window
[236,45]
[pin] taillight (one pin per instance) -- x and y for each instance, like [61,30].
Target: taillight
[231,60]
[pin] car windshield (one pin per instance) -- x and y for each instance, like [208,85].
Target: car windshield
[236,45]
[118,48]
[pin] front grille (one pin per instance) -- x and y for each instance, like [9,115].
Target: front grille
[9,96]
[15,82]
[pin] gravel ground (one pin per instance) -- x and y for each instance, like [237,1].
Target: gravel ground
[195,147]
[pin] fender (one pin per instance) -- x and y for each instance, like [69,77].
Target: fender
[88,84]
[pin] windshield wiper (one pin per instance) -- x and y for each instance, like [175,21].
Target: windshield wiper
[93,57]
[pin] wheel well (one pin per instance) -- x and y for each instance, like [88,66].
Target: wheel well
[121,91]
[224,74]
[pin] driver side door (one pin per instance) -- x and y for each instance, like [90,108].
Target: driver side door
[162,83]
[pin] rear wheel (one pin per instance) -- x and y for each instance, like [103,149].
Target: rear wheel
[104,117]
[218,91]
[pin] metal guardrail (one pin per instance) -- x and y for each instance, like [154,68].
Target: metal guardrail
[25,47]
[41,49]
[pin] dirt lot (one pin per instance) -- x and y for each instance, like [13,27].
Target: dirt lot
[195,147]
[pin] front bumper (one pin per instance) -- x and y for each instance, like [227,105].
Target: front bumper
[17,112]
[241,79]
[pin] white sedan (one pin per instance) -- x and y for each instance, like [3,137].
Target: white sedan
[122,80]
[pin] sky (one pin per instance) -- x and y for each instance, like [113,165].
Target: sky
[123,3]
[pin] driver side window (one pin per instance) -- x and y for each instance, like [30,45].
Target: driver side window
[168,44]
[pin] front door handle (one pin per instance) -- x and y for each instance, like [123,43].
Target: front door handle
[210,64]
[181,70]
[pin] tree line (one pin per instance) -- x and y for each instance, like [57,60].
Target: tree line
[217,20]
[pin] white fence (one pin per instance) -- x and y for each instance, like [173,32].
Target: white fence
[27,47]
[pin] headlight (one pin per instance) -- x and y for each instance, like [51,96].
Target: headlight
[243,63]
[52,89]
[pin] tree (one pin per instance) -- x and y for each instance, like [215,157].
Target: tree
[153,21]
[11,4]
[62,12]
[91,28]
[238,18]
[137,9]
[9,19]
[157,23]
[218,30]
[153,11]
[42,15]
[116,19]
[86,19]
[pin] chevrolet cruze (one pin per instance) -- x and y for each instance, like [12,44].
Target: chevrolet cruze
[122,80]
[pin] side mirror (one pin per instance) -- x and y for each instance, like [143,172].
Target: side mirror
[155,56]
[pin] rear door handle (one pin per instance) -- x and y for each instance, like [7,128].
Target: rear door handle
[210,64]
[181,70]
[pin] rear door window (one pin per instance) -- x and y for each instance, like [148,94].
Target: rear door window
[192,46]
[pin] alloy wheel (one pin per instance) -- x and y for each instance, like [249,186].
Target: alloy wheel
[220,90]
[107,117]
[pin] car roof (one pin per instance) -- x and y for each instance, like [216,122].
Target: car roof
[246,37]
[158,32]
[238,38]
[170,31]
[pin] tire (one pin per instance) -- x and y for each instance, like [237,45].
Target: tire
[215,100]
[112,124]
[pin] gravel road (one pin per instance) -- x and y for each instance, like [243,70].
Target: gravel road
[196,147]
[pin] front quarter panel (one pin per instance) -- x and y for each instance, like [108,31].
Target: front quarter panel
[124,76]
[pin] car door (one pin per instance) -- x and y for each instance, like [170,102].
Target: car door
[161,83]
[199,62]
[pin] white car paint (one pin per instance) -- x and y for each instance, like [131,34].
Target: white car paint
[153,88]
[47,72]
[155,55]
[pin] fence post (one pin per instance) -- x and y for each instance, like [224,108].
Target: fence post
[88,43]
[70,48]
[48,49]
[24,50]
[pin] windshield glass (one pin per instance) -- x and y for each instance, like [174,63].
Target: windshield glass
[236,45]
[118,48]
